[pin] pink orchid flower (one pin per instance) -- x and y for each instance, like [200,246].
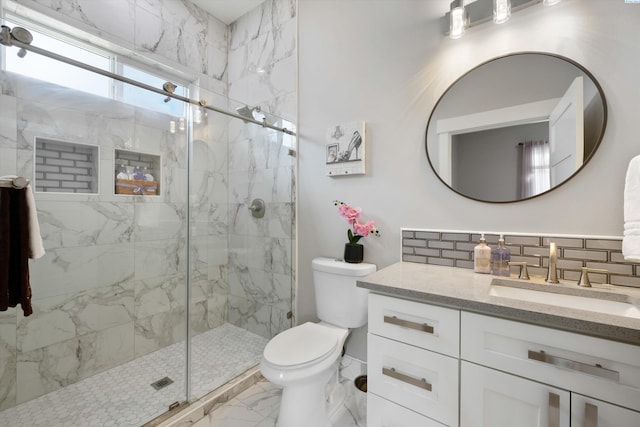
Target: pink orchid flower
[360,229]
[352,214]
[364,229]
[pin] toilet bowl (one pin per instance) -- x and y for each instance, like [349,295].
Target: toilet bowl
[304,360]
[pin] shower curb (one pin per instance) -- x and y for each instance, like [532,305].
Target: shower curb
[189,414]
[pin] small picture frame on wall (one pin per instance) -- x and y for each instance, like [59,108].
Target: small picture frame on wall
[345,149]
[332,153]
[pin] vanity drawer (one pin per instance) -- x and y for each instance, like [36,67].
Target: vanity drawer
[604,369]
[423,325]
[382,413]
[420,380]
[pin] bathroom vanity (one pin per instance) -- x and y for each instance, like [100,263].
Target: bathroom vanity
[449,347]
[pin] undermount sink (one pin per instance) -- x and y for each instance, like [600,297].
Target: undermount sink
[617,304]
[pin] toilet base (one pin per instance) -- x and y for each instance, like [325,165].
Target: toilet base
[335,394]
[303,405]
[336,400]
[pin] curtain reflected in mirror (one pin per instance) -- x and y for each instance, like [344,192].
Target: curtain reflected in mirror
[535,171]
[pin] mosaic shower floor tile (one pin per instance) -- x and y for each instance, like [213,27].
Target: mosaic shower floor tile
[123,396]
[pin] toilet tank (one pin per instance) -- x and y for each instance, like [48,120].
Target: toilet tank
[338,300]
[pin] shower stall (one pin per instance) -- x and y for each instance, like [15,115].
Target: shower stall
[163,278]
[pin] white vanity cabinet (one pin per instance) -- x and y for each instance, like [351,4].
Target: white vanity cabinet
[519,374]
[430,366]
[413,364]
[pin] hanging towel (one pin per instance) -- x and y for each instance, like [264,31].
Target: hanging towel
[631,238]
[36,248]
[14,250]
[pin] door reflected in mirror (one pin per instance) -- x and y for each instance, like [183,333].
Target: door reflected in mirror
[516,127]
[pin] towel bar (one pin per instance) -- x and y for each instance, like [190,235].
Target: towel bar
[17,182]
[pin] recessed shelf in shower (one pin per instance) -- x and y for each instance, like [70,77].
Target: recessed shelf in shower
[136,174]
[65,167]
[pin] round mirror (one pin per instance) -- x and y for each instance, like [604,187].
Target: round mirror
[516,127]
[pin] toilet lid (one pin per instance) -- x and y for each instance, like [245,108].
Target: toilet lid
[301,344]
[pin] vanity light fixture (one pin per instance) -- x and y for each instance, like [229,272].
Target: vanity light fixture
[457,18]
[460,17]
[501,11]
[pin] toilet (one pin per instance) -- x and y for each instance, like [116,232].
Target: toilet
[304,360]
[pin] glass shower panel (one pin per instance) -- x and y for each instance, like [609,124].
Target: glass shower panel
[108,330]
[241,265]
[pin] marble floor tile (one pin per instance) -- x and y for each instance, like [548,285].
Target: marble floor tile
[258,406]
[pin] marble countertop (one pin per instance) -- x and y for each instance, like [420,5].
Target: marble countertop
[463,289]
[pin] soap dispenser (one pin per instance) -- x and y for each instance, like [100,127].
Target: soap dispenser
[482,257]
[500,257]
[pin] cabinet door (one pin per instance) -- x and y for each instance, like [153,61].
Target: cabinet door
[602,369]
[588,412]
[382,413]
[490,398]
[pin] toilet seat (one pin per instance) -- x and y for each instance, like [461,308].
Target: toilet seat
[309,342]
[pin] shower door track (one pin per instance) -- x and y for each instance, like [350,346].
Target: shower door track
[118,77]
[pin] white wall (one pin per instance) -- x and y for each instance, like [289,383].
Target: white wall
[386,62]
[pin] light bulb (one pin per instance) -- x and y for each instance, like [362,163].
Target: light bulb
[457,21]
[172,126]
[501,11]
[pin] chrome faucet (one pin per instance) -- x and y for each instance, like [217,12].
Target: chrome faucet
[552,272]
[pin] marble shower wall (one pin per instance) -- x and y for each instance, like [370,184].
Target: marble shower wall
[262,72]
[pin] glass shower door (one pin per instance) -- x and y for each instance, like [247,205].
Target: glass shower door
[242,267]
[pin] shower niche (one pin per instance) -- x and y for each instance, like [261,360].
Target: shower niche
[136,173]
[65,167]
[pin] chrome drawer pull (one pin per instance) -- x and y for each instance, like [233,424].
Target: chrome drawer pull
[423,327]
[596,370]
[422,383]
[554,410]
[590,415]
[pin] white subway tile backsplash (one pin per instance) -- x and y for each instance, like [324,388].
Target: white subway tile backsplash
[456,249]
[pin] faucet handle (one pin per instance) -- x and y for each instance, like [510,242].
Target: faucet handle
[524,273]
[584,275]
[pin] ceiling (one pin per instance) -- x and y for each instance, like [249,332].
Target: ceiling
[227,10]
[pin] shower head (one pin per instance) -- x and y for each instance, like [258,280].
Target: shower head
[254,113]
[19,34]
[244,111]
[23,36]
